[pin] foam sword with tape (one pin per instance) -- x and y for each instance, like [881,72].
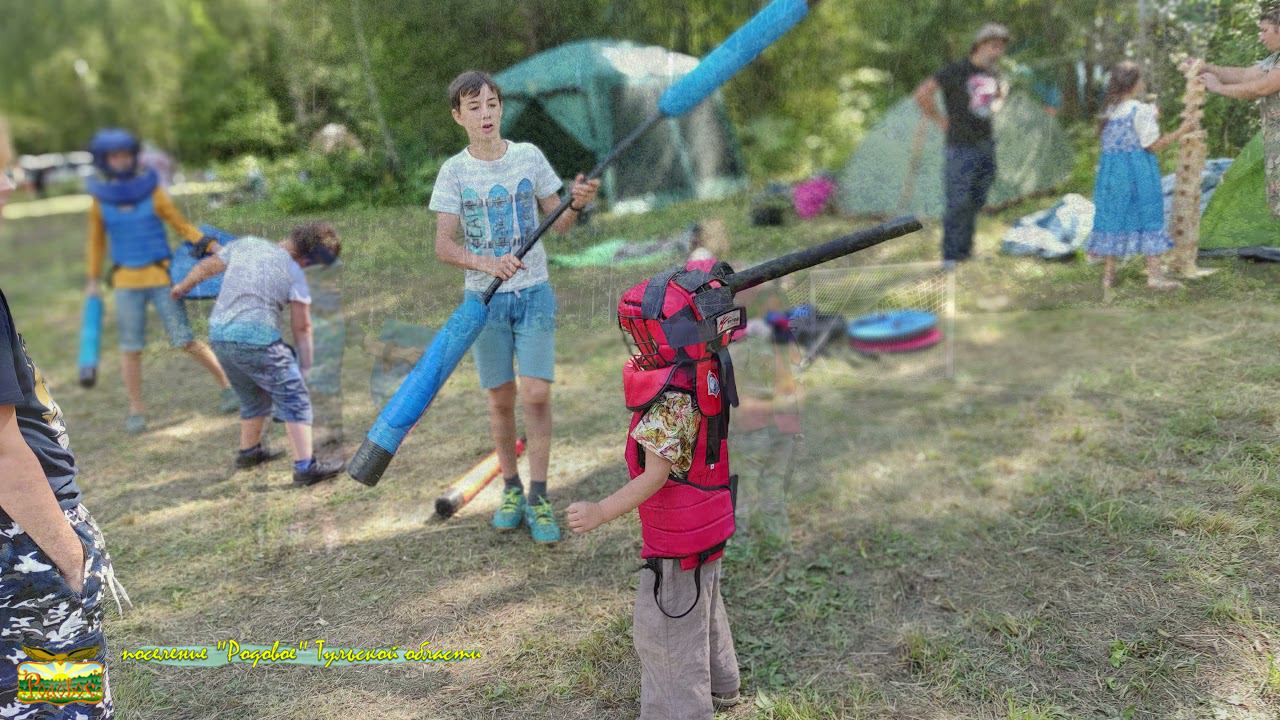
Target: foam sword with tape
[418,390]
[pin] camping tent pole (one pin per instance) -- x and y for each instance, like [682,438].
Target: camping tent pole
[913,167]
[683,157]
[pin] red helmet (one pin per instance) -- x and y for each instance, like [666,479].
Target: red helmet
[680,315]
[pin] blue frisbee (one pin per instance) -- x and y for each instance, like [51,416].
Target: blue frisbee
[892,325]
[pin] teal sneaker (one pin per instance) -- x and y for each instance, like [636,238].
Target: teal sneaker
[541,519]
[135,424]
[228,402]
[508,516]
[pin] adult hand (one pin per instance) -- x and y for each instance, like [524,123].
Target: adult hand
[1211,82]
[584,192]
[503,267]
[177,292]
[93,287]
[585,516]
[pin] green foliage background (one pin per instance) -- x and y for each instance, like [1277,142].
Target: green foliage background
[216,79]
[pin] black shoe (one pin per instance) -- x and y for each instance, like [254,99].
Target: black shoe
[319,470]
[259,455]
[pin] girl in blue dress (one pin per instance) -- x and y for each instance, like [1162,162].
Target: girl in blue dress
[1129,215]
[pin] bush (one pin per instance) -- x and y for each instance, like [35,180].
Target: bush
[308,182]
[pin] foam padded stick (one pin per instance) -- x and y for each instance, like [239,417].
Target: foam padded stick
[90,340]
[735,52]
[841,246]
[465,488]
[424,381]
[417,391]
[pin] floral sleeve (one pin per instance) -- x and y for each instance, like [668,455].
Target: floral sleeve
[670,429]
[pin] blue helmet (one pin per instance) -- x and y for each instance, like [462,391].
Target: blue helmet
[110,140]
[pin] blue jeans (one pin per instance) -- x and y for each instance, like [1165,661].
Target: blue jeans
[131,316]
[969,172]
[521,329]
[265,377]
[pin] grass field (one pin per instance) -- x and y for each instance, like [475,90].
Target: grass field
[1078,525]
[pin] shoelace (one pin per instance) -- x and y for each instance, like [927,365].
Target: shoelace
[511,501]
[543,512]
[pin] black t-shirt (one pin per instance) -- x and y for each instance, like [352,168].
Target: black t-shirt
[39,417]
[969,93]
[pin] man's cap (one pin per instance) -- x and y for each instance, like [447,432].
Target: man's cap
[991,31]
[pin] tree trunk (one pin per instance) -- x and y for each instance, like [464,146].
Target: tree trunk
[529,14]
[393,158]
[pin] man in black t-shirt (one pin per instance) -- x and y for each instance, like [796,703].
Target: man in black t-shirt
[972,92]
[54,566]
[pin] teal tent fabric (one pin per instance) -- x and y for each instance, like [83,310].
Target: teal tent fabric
[578,100]
[1032,152]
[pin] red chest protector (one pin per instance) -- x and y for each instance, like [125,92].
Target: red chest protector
[689,518]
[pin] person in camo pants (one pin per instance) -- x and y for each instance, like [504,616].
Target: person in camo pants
[54,565]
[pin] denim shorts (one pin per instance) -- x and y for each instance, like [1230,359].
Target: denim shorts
[265,378]
[131,316]
[521,329]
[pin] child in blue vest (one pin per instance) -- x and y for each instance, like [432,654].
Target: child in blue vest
[1129,215]
[127,222]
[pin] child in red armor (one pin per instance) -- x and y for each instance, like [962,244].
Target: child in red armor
[679,386]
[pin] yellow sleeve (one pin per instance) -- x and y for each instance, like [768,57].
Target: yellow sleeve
[170,214]
[96,248]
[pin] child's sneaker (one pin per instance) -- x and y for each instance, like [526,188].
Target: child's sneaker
[508,515]
[317,471]
[257,456]
[541,519]
[135,424]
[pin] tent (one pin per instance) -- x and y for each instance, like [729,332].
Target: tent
[575,101]
[1238,215]
[897,168]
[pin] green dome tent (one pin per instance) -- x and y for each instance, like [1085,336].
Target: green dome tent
[898,166]
[575,101]
[1238,215]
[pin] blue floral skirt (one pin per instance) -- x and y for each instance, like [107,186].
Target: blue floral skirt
[1129,206]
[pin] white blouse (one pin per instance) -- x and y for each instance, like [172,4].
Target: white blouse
[1145,120]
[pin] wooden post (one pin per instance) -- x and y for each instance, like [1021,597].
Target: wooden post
[1184,225]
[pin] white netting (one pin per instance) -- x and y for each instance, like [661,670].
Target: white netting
[852,292]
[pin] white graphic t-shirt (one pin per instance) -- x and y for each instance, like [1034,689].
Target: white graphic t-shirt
[496,202]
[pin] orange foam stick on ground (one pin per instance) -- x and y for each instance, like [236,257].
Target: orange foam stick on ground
[468,486]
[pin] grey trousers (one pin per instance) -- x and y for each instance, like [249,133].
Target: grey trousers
[683,661]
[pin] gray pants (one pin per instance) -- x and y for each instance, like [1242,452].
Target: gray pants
[683,661]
